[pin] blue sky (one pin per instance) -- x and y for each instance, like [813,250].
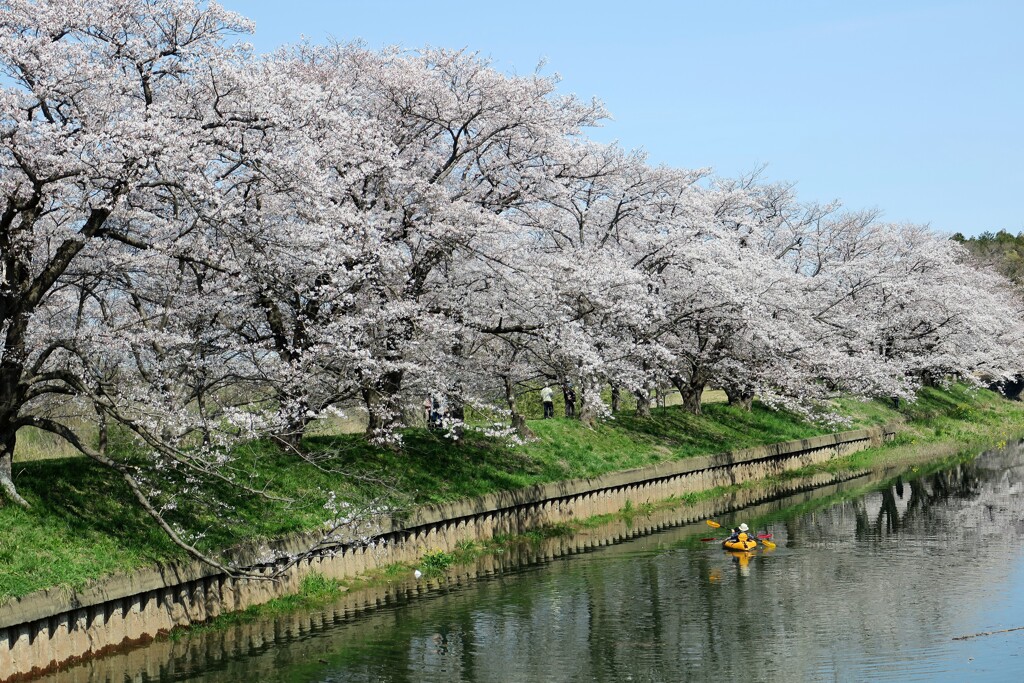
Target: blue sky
[912,107]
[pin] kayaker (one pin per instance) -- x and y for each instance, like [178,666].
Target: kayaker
[735,533]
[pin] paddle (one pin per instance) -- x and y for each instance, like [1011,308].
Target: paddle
[714,525]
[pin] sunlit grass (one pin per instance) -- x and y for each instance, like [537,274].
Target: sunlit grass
[34,444]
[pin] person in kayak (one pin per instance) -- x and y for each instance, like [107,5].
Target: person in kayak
[735,534]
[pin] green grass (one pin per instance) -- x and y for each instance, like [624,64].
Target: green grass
[84,524]
[437,563]
[433,469]
[80,525]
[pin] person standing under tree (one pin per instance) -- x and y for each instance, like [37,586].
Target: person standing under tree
[548,401]
[438,411]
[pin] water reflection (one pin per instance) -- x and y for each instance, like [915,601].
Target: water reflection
[865,587]
[922,494]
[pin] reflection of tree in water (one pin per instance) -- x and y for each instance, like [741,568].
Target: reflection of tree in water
[927,495]
[924,501]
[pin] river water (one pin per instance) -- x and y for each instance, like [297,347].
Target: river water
[874,585]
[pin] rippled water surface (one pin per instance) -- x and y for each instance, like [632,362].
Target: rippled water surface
[873,587]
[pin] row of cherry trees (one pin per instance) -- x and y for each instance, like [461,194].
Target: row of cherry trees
[203,246]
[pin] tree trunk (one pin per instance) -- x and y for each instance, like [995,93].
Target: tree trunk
[689,392]
[589,402]
[291,436]
[616,398]
[643,404]
[384,413]
[518,421]
[691,401]
[295,423]
[457,410]
[12,392]
[742,398]
[456,403]
[11,396]
[456,399]
[8,438]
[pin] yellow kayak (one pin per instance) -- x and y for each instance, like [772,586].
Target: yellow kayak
[748,544]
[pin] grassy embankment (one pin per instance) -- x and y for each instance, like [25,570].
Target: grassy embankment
[83,524]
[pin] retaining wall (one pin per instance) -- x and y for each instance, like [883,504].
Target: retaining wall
[53,628]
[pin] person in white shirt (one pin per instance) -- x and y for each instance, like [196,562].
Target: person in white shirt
[549,403]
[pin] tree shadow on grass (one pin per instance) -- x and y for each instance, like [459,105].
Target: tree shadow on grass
[428,466]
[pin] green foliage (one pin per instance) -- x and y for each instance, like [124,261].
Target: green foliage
[318,586]
[437,562]
[73,533]
[1001,250]
[35,444]
[466,550]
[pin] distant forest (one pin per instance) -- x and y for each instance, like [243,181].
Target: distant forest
[1001,250]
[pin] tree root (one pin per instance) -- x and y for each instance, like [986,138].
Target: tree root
[12,492]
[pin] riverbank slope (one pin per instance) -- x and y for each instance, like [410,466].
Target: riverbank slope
[73,535]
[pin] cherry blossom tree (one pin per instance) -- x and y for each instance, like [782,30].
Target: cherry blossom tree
[470,144]
[122,252]
[302,174]
[103,153]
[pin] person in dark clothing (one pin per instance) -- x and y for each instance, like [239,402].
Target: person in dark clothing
[438,413]
[570,401]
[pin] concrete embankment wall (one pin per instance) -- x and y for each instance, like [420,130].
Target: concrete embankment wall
[45,630]
[252,650]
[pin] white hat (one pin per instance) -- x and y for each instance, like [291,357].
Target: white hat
[744,527]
